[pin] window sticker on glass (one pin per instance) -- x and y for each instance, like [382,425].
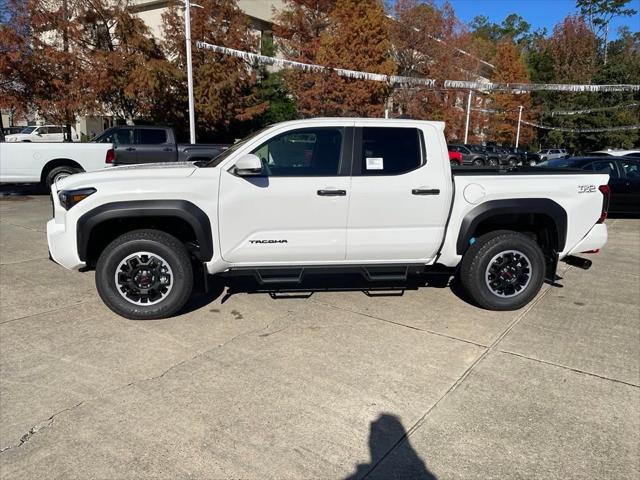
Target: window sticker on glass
[375,163]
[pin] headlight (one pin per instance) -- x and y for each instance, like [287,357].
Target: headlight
[68,198]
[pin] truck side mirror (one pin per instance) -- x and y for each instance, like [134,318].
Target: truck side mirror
[248,165]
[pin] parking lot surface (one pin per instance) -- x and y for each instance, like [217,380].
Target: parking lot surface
[338,385]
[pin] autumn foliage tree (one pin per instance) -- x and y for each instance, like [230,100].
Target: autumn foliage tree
[299,26]
[425,38]
[224,86]
[343,34]
[15,71]
[123,58]
[357,39]
[510,68]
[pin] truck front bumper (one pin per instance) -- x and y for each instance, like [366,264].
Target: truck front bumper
[62,246]
[594,240]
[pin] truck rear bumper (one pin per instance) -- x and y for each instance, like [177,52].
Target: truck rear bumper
[594,240]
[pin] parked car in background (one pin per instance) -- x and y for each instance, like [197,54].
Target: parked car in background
[615,153]
[550,153]
[455,158]
[624,178]
[504,156]
[525,157]
[154,144]
[43,133]
[12,130]
[48,163]
[468,156]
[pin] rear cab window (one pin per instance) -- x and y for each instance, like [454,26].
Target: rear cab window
[152,136]
[389,151]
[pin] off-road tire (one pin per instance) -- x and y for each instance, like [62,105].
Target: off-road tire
[58,172]
[473,269]
[156,242]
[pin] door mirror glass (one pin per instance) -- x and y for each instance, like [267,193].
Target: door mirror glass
[248,165]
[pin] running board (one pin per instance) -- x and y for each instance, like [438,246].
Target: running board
[295,275]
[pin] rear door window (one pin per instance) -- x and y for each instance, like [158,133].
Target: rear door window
[152,136]
[390,151]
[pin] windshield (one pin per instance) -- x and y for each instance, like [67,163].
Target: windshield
[105,137]
[28,130]
[233,148]
[560,163]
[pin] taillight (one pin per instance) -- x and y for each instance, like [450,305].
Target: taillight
[606,196]
[111,155]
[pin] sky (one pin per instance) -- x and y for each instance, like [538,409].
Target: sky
[539,13]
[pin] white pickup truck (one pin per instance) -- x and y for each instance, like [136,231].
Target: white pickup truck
[23,162]
[330,195]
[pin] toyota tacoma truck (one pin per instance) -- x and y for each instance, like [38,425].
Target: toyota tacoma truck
[374,196]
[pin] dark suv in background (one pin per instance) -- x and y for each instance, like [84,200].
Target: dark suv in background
[469,157]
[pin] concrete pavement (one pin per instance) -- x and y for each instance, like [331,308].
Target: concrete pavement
[339,385]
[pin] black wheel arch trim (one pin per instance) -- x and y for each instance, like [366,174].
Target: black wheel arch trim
[183,209]
[486,210]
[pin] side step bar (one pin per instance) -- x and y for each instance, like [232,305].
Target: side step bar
[295,275]
[579,262]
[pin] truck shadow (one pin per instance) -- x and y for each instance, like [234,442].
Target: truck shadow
[224,288]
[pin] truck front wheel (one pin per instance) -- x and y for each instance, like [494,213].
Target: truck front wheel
[502,270]
[144,275]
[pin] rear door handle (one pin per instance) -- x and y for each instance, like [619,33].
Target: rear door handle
[426,191]
[332,193]
[168,149]
[130,149]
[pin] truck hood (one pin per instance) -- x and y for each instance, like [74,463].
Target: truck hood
[15,137]
[148,171]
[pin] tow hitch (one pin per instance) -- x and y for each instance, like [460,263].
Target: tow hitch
[582,263]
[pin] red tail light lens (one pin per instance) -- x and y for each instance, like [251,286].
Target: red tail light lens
[606,196]
[111,155]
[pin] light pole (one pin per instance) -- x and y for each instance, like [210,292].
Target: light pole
[466,128]
[187,36]
[519,120]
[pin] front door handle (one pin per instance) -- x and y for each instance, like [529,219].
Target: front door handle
[425,191]
[168,149]
[130,149]
[332,193]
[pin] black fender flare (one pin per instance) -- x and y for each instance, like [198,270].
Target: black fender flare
[183,209]
[491,208]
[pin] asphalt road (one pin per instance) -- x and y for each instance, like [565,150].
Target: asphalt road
[338,385]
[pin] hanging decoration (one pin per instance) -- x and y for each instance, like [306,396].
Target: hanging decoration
[308,67]
[592,110]
[582,130]
[516,88]
[535,87]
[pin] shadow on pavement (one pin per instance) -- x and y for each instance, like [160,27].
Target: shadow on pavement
[224,288]
[387,434]
[19,190]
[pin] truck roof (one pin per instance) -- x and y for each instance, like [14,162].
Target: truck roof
[364,121]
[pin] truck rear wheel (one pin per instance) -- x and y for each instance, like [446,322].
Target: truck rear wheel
[502,270]
[58,173]
[144,275]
